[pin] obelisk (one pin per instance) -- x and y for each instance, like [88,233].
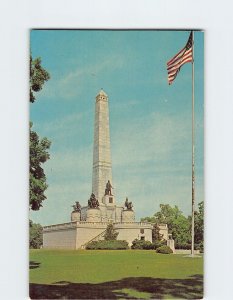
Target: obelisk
[102,167]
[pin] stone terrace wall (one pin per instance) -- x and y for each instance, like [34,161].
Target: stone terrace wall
[61,236]
[135,230]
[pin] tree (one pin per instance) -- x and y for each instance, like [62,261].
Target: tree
[181,231]
[38,147]
[110,233]
[178,224]
[35,235]
[148,219]
[156,236]
[38,76]
[37,178]
[199,224]
[167,214]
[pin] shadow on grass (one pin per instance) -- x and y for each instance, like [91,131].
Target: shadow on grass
[156,288]
[33,265]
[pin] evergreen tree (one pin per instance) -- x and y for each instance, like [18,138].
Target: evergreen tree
[156,236]
[110,233]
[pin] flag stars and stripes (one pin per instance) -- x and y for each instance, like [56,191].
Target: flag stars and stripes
[185,55]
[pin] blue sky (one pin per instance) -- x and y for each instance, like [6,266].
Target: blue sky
[150,121]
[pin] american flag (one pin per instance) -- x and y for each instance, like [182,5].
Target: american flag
[184,56]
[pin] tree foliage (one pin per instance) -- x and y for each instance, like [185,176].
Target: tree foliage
[199,224]
[35,235]
[148,219]
[38,76]
[156,236]
[37,178]
[38,147]
[110,233]
[179,225]
[167,214]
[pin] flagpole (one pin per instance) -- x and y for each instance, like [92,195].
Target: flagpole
[193,149]
[185,55]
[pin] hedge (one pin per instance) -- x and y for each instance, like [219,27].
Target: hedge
[108,245]
[185,246]
[146,245]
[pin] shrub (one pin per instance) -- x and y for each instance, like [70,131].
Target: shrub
[35,235]
[199,247]
[146,245]
[164,250]
[141,244]
[183,246]
[108,245]
[202,247]
[158,244]
[136,244]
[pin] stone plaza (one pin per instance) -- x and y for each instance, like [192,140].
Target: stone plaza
[89,222]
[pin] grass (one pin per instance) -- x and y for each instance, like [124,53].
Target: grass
[121,274]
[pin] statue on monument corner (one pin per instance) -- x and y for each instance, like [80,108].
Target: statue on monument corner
[108,189]
[77,207]
[128,204]
[93,202]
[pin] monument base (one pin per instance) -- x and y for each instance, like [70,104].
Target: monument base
[93,215]
[109,200]
[128,216]
[75,216]
[76,235]
[171,244]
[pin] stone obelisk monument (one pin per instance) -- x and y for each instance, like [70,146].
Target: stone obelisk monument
[102,167]
[89,223]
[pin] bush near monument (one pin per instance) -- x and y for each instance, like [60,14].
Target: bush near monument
[108,245]
[164,250]
[140,244]
[110,241]
[185,246]
[147,245]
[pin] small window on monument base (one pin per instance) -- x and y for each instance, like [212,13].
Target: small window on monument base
[142,238]
[110,200]
[142,230]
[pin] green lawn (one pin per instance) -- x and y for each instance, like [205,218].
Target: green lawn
[125,274]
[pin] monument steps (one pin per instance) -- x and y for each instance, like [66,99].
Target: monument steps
[96,238]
